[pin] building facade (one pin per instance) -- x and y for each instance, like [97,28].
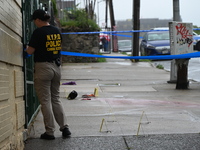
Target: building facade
[12,105]
[18,101]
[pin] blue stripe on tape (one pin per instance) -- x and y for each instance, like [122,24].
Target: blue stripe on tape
[122,35]
[196,28]
[126,35]
[180,56]
[111,32]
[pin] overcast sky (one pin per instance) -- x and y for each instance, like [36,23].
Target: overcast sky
[162,9]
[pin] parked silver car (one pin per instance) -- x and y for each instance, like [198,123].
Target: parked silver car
[124,45]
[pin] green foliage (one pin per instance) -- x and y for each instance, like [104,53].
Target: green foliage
[197,31]
[144,60]
[101,59]
[77,20]
[54,7]
[159,66]
[124,53]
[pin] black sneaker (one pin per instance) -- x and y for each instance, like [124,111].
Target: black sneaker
[66,133]
[47,137]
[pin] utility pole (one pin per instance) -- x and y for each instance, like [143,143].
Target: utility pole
[179,67]
[136,26]
[132,26]
[176,17]
[176,11]
[113,27]
[106,15]
[98,9]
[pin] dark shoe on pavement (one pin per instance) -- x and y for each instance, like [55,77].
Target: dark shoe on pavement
[66,133]
[47,137]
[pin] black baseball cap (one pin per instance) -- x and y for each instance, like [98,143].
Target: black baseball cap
[38,14]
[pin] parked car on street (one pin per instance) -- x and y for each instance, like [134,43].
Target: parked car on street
[196,39]
[124,45]
[155,43]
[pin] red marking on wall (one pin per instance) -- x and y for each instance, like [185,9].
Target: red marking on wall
[185,35]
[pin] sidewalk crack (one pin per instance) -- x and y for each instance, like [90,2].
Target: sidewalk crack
[126,143]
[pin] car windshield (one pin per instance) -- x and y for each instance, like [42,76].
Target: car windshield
[124,43]
[194,33]
[158,36]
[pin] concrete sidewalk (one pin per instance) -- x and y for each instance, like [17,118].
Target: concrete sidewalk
[135,109]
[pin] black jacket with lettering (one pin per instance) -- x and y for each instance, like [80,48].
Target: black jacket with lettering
[47,43]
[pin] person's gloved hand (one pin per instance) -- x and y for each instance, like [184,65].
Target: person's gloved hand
[25,54]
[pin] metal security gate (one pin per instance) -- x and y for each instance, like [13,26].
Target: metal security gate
[31,101]
[30,98]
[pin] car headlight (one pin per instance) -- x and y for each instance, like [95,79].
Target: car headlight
[151,46]
[196,40]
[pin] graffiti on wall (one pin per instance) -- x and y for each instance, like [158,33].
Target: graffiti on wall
[183,35]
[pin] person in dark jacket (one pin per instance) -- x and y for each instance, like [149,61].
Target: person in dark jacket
[45,44]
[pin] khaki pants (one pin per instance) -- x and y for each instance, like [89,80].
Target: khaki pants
[47,83]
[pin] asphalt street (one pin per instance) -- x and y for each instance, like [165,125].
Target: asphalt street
[193,67]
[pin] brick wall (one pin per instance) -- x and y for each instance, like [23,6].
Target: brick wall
[12,108]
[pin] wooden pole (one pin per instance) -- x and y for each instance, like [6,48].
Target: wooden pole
[136,26]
